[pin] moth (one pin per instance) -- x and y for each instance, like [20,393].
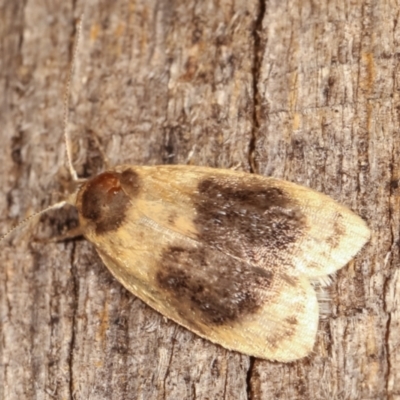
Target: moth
[229,255]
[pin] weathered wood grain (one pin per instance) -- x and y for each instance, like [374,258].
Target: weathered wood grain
[305,91]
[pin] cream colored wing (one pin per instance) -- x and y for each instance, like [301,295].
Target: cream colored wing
[261,313]
[251,216]
[225,254]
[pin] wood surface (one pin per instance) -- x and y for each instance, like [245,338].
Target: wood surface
[306,91]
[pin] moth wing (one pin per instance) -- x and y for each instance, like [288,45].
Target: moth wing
[270,316]
[334,233]
[261,218]
[222,252]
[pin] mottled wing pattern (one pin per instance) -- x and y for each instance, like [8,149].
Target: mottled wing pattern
[225,254]
[272,317]
[288,224]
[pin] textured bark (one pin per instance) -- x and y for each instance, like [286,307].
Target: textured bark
[305,91]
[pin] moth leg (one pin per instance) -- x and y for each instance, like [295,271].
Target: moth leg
[72,234]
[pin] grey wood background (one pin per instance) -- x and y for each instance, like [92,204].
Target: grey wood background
[302,90]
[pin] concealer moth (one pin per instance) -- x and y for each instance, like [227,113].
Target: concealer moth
[227,254]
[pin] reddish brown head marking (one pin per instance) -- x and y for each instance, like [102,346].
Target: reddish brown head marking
[339,230]
[105,198]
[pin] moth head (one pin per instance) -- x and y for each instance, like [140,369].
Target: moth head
[102,201]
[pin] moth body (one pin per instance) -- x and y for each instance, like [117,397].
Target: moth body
[227,254]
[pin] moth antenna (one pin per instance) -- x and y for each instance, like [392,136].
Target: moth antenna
[67,141]
[27,219]
[67,94]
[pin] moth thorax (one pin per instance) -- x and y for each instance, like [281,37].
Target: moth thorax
[102,202]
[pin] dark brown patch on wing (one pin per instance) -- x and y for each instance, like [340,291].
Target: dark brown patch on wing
[287,333]
[237,215]
[216,287]
[105,199]
[291,320]
[338,231]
